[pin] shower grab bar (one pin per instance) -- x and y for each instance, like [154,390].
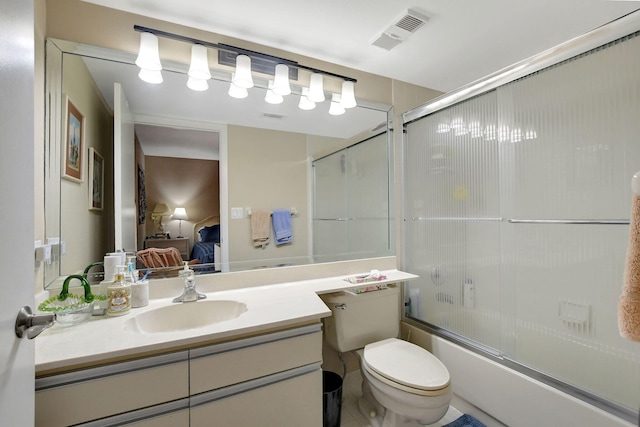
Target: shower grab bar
[570,221]
[353,219]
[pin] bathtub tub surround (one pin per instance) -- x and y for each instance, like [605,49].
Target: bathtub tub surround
[629,305]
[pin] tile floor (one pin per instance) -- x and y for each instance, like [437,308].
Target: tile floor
[351,417]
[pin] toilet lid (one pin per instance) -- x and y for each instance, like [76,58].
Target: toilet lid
[406,364]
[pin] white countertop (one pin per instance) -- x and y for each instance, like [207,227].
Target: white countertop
[104,338]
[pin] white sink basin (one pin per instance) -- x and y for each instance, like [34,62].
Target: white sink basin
[189,315]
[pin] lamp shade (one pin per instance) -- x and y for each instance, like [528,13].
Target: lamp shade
[161,209]
[199,68]
[150,76]
[180,213]
[242,77]
[316,88]
[305,103]
[237,91]
[148,55]
[335,109]
[281,81]
[197,84]
[271,97]
[348,97]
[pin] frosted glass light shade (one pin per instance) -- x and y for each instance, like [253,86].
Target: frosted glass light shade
[236,91]
[305,103]
[148,56]
[150,76]
[316,89]
[336,109]
[198,85]
[281,81]
[242,77]
[199,68]
[348,97]
[271,97]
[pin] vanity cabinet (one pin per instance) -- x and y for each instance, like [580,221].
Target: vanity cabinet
[270,379]
[89,394]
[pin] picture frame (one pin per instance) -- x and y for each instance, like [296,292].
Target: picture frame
[73,143]
[96,180]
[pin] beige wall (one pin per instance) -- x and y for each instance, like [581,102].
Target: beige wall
[87,233]
[189,183]
[267,170]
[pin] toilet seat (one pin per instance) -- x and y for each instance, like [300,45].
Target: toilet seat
[406,366]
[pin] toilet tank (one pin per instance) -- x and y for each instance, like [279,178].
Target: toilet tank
[360,319]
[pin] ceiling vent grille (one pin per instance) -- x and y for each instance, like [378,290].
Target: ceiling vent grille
[404,26]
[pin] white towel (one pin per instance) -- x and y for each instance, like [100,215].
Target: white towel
[629,305]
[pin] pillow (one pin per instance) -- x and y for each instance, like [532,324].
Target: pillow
[210,234]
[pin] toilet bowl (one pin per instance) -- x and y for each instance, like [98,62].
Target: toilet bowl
[403,384]
[411,384]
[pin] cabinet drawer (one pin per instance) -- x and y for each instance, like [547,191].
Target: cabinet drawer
[109,390]
[217,366]
[293,402]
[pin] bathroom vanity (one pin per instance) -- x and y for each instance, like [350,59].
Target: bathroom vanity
[262,367]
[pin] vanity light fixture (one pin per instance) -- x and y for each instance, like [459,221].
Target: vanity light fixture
[281,81]
[242,77]
[316,88]
[271,97]
[335,108]
[181,215]
[305,103]
[245,62]
[348,97]
[149,59]
[237,91]
[199,69]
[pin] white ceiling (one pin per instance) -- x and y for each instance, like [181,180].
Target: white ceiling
[464,40]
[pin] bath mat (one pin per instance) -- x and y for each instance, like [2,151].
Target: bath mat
[465,421]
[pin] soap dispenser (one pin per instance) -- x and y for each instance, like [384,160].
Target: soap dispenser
[119,294]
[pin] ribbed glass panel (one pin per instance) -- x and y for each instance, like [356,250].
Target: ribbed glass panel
[562,281]
[351,217]
[523,190]
[452,206]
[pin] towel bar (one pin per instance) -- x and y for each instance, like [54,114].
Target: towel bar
[293,211]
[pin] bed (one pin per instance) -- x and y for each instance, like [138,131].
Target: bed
[206,238]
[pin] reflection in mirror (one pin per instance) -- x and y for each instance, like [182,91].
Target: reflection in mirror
[215,156]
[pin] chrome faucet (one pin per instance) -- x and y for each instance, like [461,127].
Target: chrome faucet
[189,294]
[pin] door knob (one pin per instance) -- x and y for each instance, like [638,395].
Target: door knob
[31,323]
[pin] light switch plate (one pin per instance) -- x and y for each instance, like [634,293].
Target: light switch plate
[237,213]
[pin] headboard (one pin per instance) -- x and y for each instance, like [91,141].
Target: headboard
[210,220]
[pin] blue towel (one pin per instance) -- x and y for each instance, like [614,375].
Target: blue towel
[465,421]
[282,227]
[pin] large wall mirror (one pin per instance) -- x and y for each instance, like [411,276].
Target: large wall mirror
[218,157]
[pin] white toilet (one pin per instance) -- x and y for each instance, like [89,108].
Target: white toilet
[403,384]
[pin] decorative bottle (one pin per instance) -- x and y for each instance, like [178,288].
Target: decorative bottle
[119,294]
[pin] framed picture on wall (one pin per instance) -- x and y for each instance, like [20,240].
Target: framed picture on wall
[96,180]
[73,143]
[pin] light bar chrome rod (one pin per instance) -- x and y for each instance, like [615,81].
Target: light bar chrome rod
[604,34]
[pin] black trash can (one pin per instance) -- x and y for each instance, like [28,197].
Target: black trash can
[331,399]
